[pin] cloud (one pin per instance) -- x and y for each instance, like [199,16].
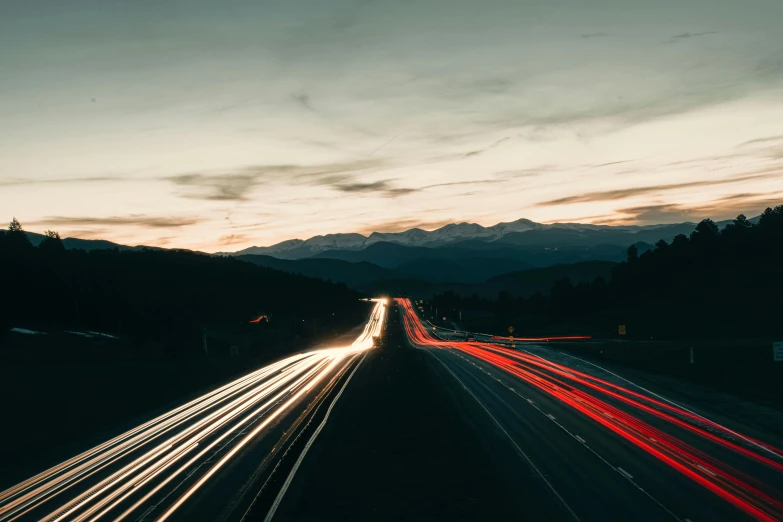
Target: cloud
[232,239]
[383,144]
[236,186]
[481,151]
[526,173]
[651,214]
[232,187]
[137,220]
[383,186]
[685,36]
[610,195]
[458,183]
[632,105]
[610,163]
[303,100]
[595,219]
[726,207]
[249,226]
[161,241]
[89,233]
[762,140]
[12,182]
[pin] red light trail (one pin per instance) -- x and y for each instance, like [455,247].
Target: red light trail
[590,396]
[541,339]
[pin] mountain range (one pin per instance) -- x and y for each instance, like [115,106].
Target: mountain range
[522,256]
[520,232]
[75,243]
[464,257]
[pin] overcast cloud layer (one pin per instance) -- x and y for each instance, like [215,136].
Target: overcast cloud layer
[219,125]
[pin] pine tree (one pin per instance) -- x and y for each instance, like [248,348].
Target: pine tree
[16,236]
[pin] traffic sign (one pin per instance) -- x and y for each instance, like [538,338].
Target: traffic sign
[777,351]
[621,329]
[510,329]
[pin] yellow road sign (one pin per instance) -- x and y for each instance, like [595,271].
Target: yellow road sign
[510,329]
[621,329]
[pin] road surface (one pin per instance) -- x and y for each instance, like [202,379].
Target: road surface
[225,455]
[599,447]
[427,427]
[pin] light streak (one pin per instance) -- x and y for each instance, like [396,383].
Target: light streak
[600,401]
[125,472]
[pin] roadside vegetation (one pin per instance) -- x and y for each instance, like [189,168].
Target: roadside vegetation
[96,342]
[165,299]
[705,308]
[713,284]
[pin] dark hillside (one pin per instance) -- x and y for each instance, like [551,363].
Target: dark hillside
[711,284]
[163,296]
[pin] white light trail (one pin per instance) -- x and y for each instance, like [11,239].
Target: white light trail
[141,462]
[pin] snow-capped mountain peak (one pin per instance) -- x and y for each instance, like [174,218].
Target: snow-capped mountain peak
[451,233]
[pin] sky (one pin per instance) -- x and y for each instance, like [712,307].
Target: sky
[220,125]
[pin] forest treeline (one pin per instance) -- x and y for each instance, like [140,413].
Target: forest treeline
[712,283]
[164,296]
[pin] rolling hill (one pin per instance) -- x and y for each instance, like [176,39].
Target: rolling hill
[361,276]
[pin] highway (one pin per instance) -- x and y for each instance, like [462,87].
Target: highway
[229,454]
[582,443]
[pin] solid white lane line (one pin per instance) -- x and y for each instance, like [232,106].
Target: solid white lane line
[728,430]
[195,459]
[591,450]
[127,471]
[621,470]
[213,411]
[53,487]
[252,434]
[310,442]
[580,439]
[511,439]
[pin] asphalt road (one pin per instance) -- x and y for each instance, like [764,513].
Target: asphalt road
[397,448]
[223,456]
[601,448]
[419,428]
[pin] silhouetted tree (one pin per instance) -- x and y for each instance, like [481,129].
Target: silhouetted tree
[742,222]
[706,232]
[691,286]
[633,254]
[562,295]
[16,237]
[51,242]
[661,246]
[771,223]
[162,296]
[15,226]
[504,306]
[680,243]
